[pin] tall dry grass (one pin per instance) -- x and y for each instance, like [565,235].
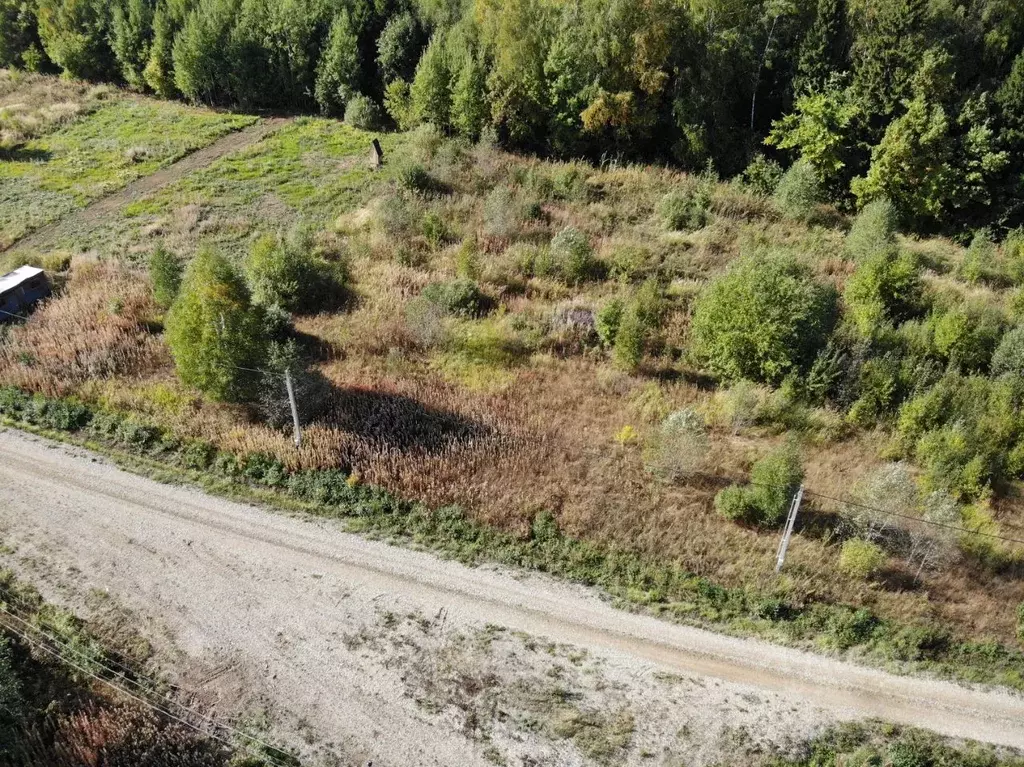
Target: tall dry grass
[115,736]
[97,328]
[31,104]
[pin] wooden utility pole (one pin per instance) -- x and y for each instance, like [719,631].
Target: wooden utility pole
[295,410]
[794,509]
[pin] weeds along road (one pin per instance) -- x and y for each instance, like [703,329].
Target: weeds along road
[275,595]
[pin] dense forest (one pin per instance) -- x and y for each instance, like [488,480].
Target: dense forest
[917,101]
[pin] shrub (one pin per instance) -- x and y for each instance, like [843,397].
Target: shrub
[165,272]
[740,405]
[364,113]
[287,272]
[425,322]
[503,216]
[435,230]
[885,288]
[733,503]
[631,263]
[873,232]
[608,320]
[1013,254]
[213,330]
[1020,622]
[679,449]
[774,480]
[415,178]
[686,210]
[860,559]
[799,192]
[1008,358]
[459,297]
[963,430]
[630,339]
[572,257]
[197,455]
[966,336]
[979,261]
[397,217]
[761,320]
[762,176]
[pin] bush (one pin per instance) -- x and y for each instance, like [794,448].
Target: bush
[774,479]
[733,503]
[630,340]
[435,230]
[978,264]
[762,176]
[873,232]
[572,257]
[398,217]
[763,319]
[860,559]
[165,272]
[287,272]
[680,447]
[1008,358]
[964,431]
[503,215]
[686,210]
[459,297]
[799,192]
[364,113]
[608,319]
[885,288]
[1020,622]
[415,178]
[1013,254]
[966,336]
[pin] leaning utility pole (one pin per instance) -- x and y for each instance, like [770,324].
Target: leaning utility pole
[794,509]
[295,410]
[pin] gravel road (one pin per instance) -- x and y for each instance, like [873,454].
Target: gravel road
[366,648]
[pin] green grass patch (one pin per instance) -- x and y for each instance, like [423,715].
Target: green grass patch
[313,169]
[634,580]
[123,140]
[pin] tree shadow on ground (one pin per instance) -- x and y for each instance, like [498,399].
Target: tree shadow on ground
[24,154]
[400,422]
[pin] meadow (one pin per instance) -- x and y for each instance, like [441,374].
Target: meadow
[467,360]
[63,145]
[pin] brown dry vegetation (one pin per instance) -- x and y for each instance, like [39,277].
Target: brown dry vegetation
[516,413]
[97,329]
[31,105]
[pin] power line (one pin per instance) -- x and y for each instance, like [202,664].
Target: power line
[143,690]
[913,518]
[12,314]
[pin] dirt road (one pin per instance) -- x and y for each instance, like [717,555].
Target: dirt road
[354,639]
[48,235]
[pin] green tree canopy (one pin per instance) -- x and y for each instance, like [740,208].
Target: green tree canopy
[213,330]
[761,320]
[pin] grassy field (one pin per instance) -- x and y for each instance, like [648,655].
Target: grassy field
[516,409]
[84,145]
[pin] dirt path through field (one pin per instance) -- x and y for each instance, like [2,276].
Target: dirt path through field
[49,234]
[311,618]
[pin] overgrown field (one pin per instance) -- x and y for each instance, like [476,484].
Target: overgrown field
[55,712]
[62,146]
[617,350]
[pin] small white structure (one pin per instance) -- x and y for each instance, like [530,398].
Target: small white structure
[20,290]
